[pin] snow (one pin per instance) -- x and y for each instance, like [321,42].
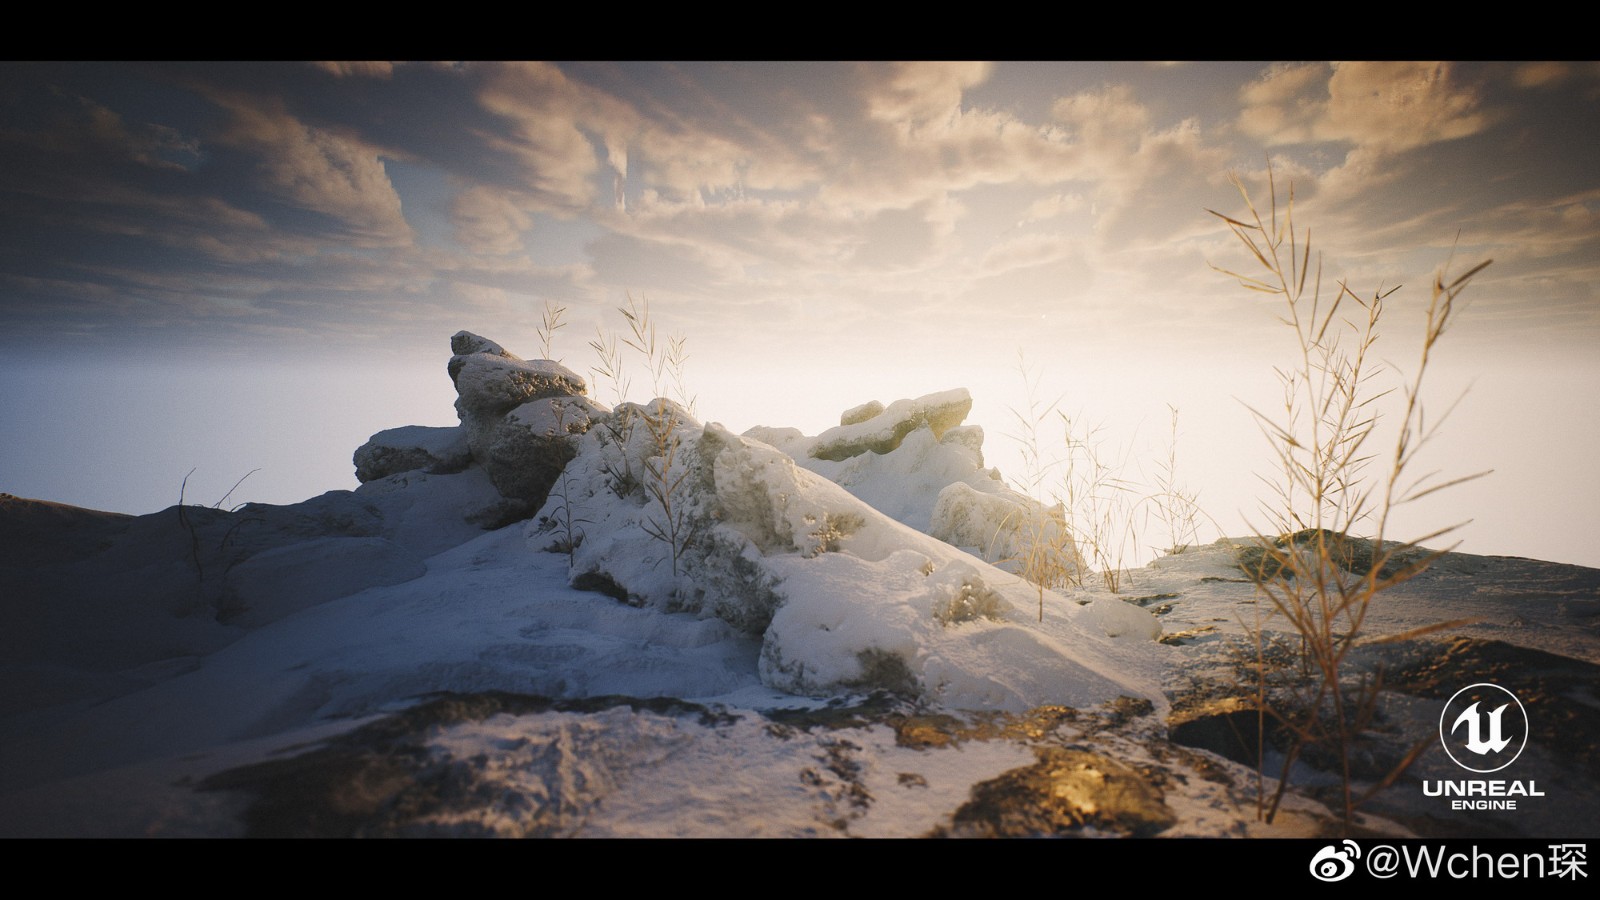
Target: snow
[441,442]
[940,411]
[490,381]
[745,577]
[842,595]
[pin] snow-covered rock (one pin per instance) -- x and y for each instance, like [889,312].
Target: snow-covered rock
[1006,528]
[904,483]
[883,432]
[525,451]
[410,447]
[936,482]
[519,420]
[697,519]
[860,413]
[489,385]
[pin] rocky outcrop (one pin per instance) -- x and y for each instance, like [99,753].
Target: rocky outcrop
[860,413]
[883,432]
[519,419]
[525,451]
[489,385]
[411,447]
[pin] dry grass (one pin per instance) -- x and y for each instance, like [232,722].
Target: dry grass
[1330,482]
[665,471]
[1094,509]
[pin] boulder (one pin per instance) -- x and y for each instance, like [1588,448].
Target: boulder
[860,413]
[525,451]
[883,432]
[405,449]
[489,386]
[517,415]
[1007,528]
[465,343]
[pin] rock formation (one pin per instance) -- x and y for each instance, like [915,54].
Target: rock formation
[881,432]
[518,422]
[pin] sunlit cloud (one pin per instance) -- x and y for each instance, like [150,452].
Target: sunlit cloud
[1052,206]
[489,221]
[356,68]
[916,95]
[547,115]
[338,175]
[1380,107]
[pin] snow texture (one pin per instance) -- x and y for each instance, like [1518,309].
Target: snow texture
[749,575]
[411,447]
[884,431]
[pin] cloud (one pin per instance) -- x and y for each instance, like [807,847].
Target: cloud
[1051,206]
[903,239]
[1025,251]
[488,221]
[916,95]
[1381,107]
[1103,123]
[651,266]
[547,115]
[337,175]
[80,141]
[365,68]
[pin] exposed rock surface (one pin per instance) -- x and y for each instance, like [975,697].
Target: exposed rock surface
[464,343]
[519,420]
[410,447]
[883,432]
[488,385]
[860,413]
[1067,790]
[526,450]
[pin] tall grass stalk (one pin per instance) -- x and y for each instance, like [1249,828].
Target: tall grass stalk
[1308,566]
[672,522]
[1175,506]
[1043,548]
[1091,510]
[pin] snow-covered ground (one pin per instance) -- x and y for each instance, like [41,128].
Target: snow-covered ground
[558,619]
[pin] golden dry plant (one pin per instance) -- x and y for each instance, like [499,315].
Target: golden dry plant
[1309,565]
[552,320]
[666,472]
[1090,508]
[1044,548]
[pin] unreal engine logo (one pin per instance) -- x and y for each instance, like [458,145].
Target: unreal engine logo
[1483,728]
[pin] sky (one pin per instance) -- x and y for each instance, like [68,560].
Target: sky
[232,268]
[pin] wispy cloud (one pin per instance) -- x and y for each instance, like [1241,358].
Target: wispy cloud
[317,169]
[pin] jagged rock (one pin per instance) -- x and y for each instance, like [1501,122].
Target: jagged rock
[526,450]
[883,432]
[488,385]
[436,450]
[860,413]
[464,344]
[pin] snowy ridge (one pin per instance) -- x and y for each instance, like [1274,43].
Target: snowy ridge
[843,596]
[626,622]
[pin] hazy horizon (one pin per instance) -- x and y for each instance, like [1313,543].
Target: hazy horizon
[227,267]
